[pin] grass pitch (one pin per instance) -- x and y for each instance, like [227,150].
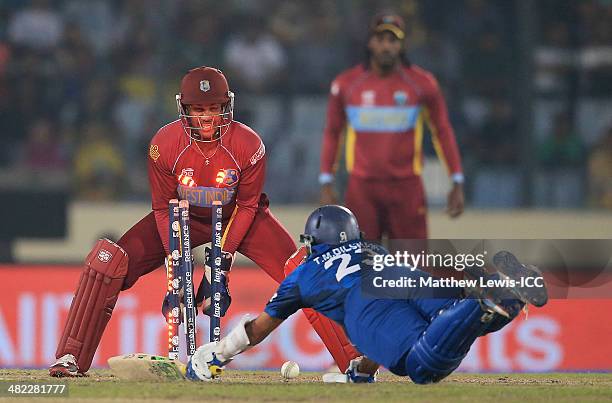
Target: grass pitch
[267,386]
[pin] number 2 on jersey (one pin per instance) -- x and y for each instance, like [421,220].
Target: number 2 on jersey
[344,269]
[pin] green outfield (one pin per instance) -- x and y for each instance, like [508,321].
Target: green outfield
[268,386]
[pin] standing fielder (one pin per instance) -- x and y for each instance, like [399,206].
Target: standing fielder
[382,105]
[423,338]
[203,156]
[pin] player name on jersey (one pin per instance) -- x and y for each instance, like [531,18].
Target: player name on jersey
[203,196]
[351,247]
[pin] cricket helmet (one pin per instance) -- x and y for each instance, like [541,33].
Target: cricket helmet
[331,225]
[205,85]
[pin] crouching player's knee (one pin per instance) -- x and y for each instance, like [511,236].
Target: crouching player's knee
[424,366]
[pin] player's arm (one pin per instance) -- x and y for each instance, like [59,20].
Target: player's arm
[334,125]
[443,138]
[259,328]
[210,358]
[247,200]
[163,188]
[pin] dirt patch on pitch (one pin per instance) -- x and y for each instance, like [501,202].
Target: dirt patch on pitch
[274,377]
[533,379]
[43,375]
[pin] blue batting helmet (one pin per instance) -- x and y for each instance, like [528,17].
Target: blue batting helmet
[330,225]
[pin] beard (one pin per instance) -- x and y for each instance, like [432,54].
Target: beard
[386,61]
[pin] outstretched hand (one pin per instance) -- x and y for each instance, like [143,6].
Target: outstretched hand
[204,365]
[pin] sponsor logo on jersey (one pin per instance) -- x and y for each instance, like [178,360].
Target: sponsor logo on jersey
[227,177]
[368,98]
[382,119]
[335,88]
[186,180]
[261,151]
[187,172]
[400,97]
[154,152]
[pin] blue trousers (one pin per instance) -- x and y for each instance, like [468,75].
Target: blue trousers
[424,338]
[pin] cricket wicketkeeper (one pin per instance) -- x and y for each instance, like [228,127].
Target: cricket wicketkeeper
[203,156]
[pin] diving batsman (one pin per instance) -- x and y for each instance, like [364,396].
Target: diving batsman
[423,338]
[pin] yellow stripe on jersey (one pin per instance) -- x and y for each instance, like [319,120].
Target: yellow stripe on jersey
[435,140]
[339,151]
[417,162]
[351,137]
[229,224]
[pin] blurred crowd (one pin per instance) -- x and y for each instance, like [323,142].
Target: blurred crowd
[85,84]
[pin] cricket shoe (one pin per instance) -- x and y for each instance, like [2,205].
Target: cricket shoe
[352,375]
[528,291]
[475,272]
[491,308]
[489,303]
[65,367]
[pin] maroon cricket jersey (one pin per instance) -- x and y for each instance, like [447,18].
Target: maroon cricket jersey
[233,174]
[384,117]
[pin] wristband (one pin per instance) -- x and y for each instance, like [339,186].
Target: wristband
[325,178]
[458,178]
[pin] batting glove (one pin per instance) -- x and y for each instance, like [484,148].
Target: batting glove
[205,364]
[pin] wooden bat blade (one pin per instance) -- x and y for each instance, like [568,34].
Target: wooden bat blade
[145,367]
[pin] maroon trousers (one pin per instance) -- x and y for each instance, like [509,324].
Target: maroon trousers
[395,207]
[267,243]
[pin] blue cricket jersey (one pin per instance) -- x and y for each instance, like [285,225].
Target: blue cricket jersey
[323,281]
[330,282]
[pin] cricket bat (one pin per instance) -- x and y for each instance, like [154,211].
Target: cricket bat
[146,367]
